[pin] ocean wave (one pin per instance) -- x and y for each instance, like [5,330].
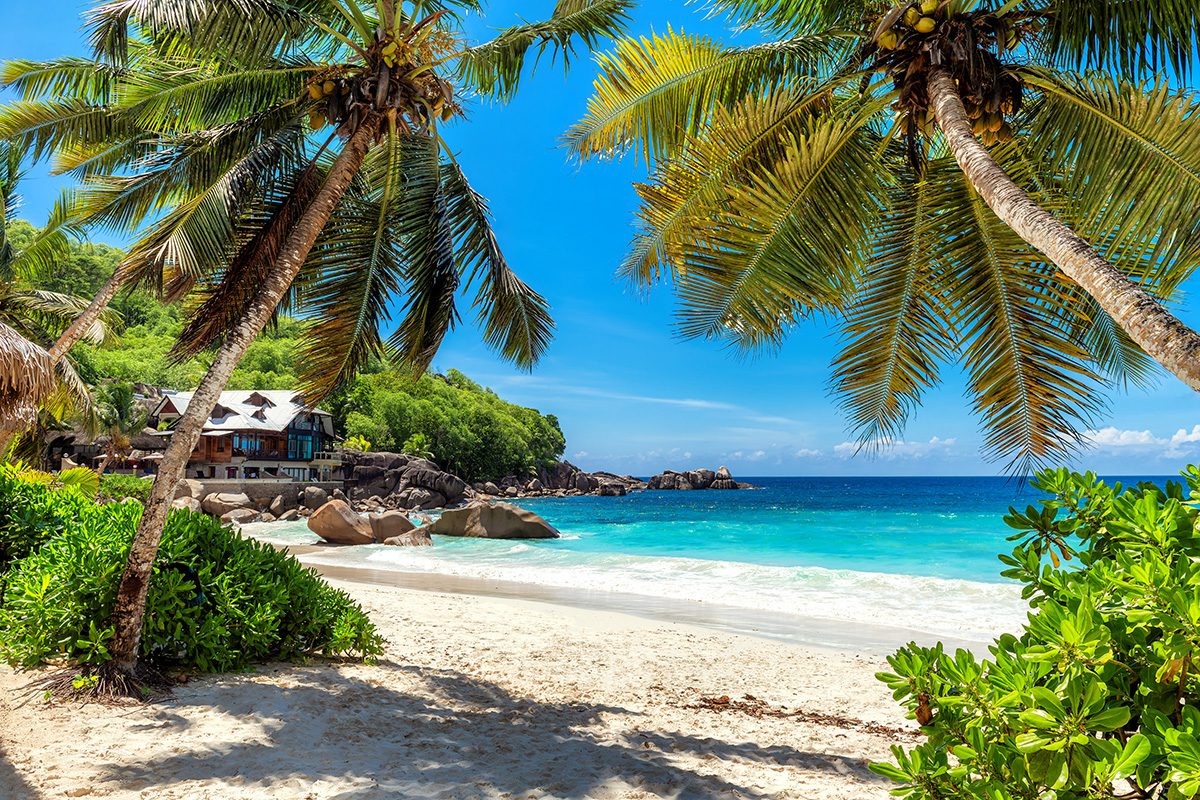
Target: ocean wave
[940,606]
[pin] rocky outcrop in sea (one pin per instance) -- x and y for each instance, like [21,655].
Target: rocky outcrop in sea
[696,479]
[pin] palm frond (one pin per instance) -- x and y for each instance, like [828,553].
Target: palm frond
[790,17]
[1032,383]
[431,277]
[357,269]
[217,306]
[1131,156]
[684,188]
[494,68]
[1135,38]
[896,333]
[790,238]
[515,319]
[655,91]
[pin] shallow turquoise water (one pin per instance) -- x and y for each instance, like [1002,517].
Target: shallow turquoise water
[917,553]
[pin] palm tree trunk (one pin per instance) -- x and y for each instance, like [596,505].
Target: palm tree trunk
[1158,332]
[76,330]
[130,606]
[6,437]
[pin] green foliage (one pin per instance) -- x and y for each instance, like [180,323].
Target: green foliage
[1096,697]
[470,430]
[359,443]
[216,602]
[115,487]
[417,445]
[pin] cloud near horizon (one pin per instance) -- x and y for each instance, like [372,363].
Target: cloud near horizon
[1111,438]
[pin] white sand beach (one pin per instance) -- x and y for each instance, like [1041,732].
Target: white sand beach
[480,697]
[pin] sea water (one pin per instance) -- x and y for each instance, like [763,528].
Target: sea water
[918,554]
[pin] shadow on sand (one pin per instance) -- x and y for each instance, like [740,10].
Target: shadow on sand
[378,742]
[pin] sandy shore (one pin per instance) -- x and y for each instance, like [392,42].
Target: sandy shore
[481,697]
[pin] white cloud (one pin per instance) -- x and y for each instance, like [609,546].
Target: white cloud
[581,454]
[894,449]
[1182,442]
[808,452]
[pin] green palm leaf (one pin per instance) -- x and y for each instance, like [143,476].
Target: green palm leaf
[515,319]
[658,90]
[494,68]
[896,332]
[791,238]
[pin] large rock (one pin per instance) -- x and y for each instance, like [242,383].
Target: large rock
[389,524]
[417,497]
[220,504]
[190,503]
[418,537]
[313,497]
[240,516]
[493,521]
[700,478]
[336,522]
[282,503]
[612,490]
[448,486]
[534,485]
[189,488]
[490,488]
[289,515]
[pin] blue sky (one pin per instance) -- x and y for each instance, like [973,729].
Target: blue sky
[631,396]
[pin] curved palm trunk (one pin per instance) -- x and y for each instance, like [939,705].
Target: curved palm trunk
[1159,333]
[129,608]
[79,327]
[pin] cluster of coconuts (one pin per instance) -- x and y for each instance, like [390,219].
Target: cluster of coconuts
[418,93]
[987,120]
[919,17]
[331,90]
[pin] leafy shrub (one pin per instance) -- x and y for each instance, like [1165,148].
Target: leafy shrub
[1096,697]
[216,601]
[123,487]
[31,514]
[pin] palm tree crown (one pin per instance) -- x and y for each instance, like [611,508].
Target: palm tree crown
[208,127]
[807,174]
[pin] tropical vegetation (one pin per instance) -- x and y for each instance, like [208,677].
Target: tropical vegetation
[288,153]
[1096,697]
[467,429]
[216,601]
[924,172]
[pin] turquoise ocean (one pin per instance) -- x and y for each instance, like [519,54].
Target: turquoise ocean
[913,553]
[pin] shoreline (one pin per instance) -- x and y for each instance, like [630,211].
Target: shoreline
[789,629]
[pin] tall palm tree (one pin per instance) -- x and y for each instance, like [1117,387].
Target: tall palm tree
[289,152]
[1012,184]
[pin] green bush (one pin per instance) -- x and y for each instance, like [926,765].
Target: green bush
[216,601]
[1096,698]
[122,487]
[30,515]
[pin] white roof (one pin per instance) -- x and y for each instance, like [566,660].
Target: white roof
[247,409]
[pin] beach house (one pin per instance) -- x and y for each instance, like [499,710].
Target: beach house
[256,434]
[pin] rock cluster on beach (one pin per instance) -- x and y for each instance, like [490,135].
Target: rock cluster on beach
[337,523]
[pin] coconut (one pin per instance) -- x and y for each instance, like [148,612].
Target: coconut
[925,25]
[929,6]
[911,16]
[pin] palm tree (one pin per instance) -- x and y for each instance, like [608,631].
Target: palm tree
[836,168]
[289,152]
[33,314]
[121,416]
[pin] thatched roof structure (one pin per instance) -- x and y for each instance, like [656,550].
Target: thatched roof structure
[26,376]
